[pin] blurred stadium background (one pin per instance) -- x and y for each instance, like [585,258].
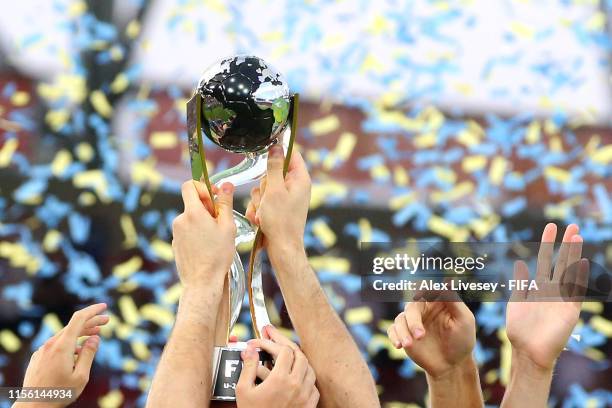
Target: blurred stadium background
[455,120]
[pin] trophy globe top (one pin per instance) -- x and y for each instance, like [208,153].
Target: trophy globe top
[245,104]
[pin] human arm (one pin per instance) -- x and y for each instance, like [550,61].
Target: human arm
[538,329]
[203,247]
[280,207]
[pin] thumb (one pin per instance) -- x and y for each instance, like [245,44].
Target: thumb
[276,160]
[225,202]
[86,357]
[248,374]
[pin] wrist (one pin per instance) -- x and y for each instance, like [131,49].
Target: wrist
[286,248]
[208,280]
[526,366]
[464,370]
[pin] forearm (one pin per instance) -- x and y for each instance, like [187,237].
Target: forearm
[183,376]
[529,384]
[459,384]
[343,378]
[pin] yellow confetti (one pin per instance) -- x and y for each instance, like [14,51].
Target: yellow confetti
[522,30]
[380,171]
[330,264]
[358,315]
[127,286]
[447,229]
[474,163]
[365,230]
[592,307]
[84,152]
[382,341]
[172,294]
[445,175]
[400,176]
[140,350]
[9,341]
[483,226]
[127,268]
[7,151]
[133,29]
[324,125]
[100,103]
[594,354]
[94,179]
[322,231]
[342,152]
[120,83]
[372,63]
[555,144]
[20,98]
[157,314]
[60,163]
[596,22]
[113,399]
[602,325]
[601,156]
[557,174]
[425,140]
[144,172]
[76,8]
[86,199]
[468,137]
[68,86]
[129,232]
[399,201]
[162,249]
[53,322]
[130,365]
[19,257]
[241,331]
[497,170]
[163,140]
[460,190]
[533,132]
[491,376]
[321,191]
[57,118]
[128,309]
[52,240]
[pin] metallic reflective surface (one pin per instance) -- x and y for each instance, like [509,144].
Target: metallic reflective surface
[245,104]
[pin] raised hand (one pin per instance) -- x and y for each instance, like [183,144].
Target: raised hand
[438,336]
[60,362]
[539,322]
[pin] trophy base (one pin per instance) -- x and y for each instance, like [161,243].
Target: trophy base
[226,366]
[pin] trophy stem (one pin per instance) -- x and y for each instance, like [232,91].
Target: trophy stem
[252,168]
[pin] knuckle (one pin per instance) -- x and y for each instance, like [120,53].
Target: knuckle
[399,317]
[178,222]
[294,384]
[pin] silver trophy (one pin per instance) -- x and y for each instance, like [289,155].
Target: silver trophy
[244,106]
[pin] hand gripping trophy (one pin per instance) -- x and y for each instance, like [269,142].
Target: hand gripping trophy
[244,106]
